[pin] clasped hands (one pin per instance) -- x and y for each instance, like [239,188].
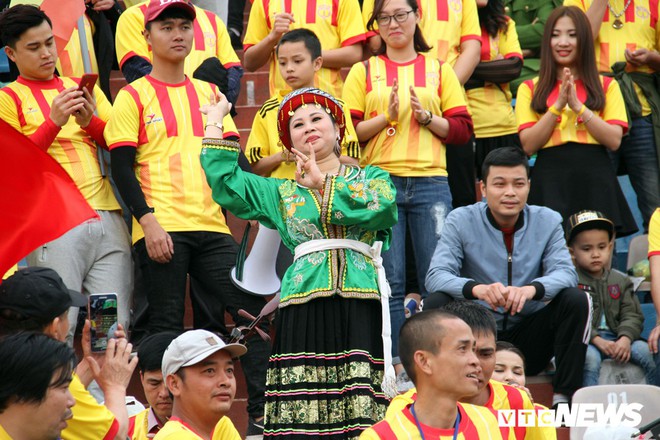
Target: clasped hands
[422,115]
[567,93]
[511,298]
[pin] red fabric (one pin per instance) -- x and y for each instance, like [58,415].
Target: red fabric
[40,202]
[64,14]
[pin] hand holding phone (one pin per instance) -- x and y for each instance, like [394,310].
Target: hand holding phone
[88,81]
[102,312]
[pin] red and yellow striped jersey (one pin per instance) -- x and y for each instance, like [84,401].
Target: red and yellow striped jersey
[90,419]
[25,105]
[413,150]
[334,22]
[490,105]
[164,123]
[477,422]
[501,397]
[211,39]
[641,29]
[568,129]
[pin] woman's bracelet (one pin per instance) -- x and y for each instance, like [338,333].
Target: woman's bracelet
[580,120]
[214,124]
[429,118]
[552,109]
[208,142]
[391,125]
[582,110]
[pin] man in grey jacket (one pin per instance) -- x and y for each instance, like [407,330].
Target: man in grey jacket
[512,258]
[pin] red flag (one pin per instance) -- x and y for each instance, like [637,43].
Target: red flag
[64,14]
[39,200]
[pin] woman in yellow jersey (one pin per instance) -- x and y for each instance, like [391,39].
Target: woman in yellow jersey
[406,106]
[570,116]
[488,92]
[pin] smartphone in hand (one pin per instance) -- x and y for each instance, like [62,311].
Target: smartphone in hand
[88,81]
[102,313]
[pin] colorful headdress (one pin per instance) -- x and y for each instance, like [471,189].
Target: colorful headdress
[303,97]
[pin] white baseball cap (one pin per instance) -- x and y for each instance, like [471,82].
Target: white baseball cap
[193,347]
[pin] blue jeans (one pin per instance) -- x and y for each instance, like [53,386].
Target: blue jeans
[638,152]
[639,355]
[423,204]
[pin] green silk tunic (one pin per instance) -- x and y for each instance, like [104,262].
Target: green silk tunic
[357,204]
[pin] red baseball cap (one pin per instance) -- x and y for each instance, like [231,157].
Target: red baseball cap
[157,7]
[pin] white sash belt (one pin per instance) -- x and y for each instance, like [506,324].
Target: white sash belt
[373,252]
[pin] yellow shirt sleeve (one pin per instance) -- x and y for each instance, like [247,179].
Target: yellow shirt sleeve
[225,430]
[224,51]
[91,421]
[8,110]
[351,31]
[355,90]
[614,112]
[451,94]
[129,40]
[257,26]
[124,124]
[258,143]
[654,234]
[470,28]
[525,116]
[509,43]
[103,106]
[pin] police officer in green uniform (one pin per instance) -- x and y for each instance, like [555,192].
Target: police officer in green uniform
[530,17]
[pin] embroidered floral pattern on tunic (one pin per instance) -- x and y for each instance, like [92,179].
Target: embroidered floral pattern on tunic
[301,230]
[358,260]
[357,190]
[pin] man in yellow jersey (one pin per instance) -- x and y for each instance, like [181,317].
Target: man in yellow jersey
[60,120]
[147,423]
[627,39]
[36,300]
[491,393]
[35,401]
[211,40]
[155,137]
[198,368]
[438,352]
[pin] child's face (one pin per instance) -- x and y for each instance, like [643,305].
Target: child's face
[509,368]
[296,64]
[591,251]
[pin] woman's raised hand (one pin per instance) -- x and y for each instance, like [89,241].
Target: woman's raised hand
[217,108]
[573,102]
[418,111]
[566,85]
[393,106]
[307,171]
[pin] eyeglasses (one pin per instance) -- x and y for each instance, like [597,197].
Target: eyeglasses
[399,17]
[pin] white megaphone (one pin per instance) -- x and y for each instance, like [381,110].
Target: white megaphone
[256,274]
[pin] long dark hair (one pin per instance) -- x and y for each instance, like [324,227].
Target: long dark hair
[585,61]
[420,43]
[493,18]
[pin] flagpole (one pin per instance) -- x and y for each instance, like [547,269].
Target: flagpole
[87,66]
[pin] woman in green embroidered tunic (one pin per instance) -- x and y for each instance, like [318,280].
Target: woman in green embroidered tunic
[325,373]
